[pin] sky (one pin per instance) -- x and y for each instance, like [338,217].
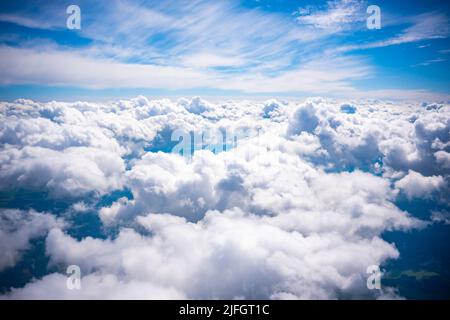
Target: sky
[251,48]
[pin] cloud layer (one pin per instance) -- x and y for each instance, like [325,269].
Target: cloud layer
[294,206]
[319,48]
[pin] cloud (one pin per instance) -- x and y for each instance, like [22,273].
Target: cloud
[205,60]
[71,69]
[338,15]
[304,120]
[105,287]
[296,207]
[226,255]
[443,158]
[174,33]
[416,185]
[425,26]
[177,46]
[438,216]
[25,21]
[428,62]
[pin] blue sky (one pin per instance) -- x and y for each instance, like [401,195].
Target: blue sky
[224,48]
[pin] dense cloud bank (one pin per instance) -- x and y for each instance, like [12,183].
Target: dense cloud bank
[277,200]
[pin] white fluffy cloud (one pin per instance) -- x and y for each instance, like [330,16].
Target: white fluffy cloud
[226,255]
[443,158]
[295,209]
[72,172]
[416,185]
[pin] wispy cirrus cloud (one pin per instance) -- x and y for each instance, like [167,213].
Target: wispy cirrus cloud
[427,26]
[334,17]
[428,62]
[47,66]
[203,44]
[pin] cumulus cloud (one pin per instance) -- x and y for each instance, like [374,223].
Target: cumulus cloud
[416,185]
[72,172]
[93,287]
[226,255]
[338,16]
[295,206]
[304,120]
[443,158]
